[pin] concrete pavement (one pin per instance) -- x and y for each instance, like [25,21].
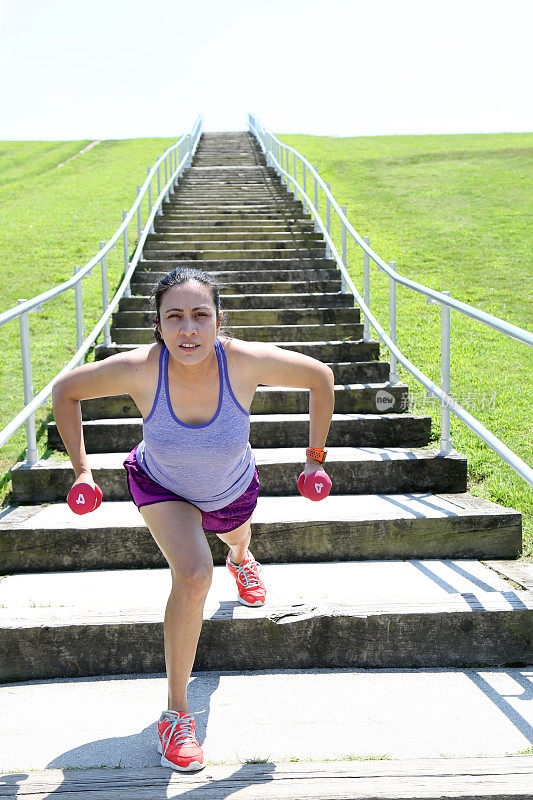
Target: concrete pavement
[275,715]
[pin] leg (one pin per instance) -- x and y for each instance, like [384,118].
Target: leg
[238,540]
[177,529]
[250,587]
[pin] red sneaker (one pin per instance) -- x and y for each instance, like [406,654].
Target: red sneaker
[251,588]
[177,742]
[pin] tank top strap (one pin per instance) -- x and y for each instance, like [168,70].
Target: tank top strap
[160,393]
[226,375]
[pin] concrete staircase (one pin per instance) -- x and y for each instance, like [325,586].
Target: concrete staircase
[383,573]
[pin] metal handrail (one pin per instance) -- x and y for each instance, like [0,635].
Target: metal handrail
[188,144]
[276,152]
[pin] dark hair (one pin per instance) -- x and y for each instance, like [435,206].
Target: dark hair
[177,277]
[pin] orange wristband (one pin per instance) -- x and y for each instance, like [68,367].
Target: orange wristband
[316,454]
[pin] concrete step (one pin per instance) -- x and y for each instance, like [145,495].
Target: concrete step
[328,352]
[235,184]
[225,192]
[335,615]
[349,399]
[231,225]
[44,538]
[151,269]
[287,204]
[352,470]
[284,316]
[238,161]
[272,430]
[322,756]
[376,728]
[230,175]
[169,244]
[233,237]
[204,197]
[235,273]
[266,287]
[255,301]
[259,333]
[191,254]
[231,215]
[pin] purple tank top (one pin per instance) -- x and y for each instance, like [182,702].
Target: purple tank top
[210,465]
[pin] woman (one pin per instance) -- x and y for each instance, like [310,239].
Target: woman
[194,471]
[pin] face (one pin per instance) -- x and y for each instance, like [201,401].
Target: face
[187,316]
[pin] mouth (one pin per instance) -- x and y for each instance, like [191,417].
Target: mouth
[189,346]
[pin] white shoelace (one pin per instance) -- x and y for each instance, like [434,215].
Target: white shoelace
[182,734]
[245,572]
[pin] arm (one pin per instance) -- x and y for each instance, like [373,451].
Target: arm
[279,367]
[112,376]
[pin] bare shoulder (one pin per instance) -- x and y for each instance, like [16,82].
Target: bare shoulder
[129,372]
[143,355]
[240,349]
[266,363]
[137,365]
[247,355]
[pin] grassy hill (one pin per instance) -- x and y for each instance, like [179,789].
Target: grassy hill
[453,212]
[53,218]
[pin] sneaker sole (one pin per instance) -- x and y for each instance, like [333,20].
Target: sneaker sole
[193,766]
[253,605]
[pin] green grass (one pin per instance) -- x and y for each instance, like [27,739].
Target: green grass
[454,212]
[52,219]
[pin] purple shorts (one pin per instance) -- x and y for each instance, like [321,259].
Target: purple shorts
[144,491]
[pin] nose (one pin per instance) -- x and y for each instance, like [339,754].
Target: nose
[188,327]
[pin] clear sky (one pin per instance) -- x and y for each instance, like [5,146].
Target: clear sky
[109,69]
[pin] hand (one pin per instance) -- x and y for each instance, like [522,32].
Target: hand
[85,495]
[315,484]
[312,466]
[85,476]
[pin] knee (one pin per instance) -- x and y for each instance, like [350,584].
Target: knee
[192,581]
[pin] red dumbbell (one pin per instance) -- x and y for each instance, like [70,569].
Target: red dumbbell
[84,498]
[316,486]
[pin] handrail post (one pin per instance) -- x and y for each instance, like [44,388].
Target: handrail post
[139,217]
[445,441]
[160,209]
[304,179]
[150,205]
[317,228]
[295,167]
[32,456]
[105,296]
[127,290]
[366,289]
[78,302]
[328,221]
[168,161]
[393,374]
[344,287]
